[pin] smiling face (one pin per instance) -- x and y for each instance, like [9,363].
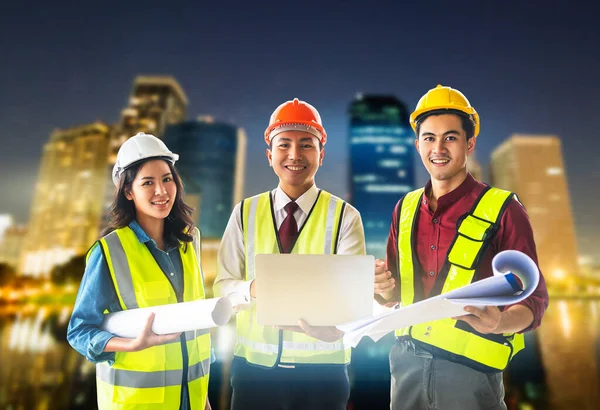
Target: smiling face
[153,191]
[443,147]
[295,157]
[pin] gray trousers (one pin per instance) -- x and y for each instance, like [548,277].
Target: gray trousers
[422,382]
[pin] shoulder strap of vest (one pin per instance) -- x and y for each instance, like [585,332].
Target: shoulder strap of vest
[339,227]
[246,203]
[197,241]
[119,267]
[411,285]
[479,226]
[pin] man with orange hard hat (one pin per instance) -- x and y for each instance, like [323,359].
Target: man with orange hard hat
[304,367]
[442,237]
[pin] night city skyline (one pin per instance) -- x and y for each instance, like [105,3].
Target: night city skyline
[526,68]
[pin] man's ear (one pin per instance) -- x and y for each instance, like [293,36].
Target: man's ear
[471,145]
[321,156]
[417,145]
[269,155]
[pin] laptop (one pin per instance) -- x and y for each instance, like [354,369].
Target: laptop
[324,290]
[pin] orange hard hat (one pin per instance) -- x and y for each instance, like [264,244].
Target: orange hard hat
[295,115]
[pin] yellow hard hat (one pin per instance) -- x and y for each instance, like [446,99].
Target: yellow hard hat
[444,98]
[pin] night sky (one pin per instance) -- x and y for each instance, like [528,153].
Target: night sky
[526,66]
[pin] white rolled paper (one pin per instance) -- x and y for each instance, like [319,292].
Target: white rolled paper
[498,290]
[173,318]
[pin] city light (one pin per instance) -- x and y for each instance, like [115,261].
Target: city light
[559,274]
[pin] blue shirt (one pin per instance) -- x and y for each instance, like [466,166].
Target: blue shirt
[97,294]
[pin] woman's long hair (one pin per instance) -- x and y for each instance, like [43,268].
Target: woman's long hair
[178,225]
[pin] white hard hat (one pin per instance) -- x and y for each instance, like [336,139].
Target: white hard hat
[138,147]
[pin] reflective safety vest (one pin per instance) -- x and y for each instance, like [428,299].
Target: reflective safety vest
[151,379]
[264,345]
[451,339]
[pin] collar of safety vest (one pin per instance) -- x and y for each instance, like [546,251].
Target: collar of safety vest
[305,201]
[467,186]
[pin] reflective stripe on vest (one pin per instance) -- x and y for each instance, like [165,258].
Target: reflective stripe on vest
[474,234]
[130,378]
[258,344]
[153,376]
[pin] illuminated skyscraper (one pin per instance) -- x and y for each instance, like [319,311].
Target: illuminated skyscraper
[381,163]
[533,168]
[12,245]
[154,103]
[67,202]
[211,164]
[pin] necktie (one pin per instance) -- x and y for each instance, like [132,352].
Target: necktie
[288,231]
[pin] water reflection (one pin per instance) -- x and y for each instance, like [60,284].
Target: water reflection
[558,369]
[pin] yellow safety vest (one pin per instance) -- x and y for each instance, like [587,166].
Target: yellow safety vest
[151,379]
[263,345]
[449,338]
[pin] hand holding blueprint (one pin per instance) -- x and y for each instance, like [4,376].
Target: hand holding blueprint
[173,318]
[499,290]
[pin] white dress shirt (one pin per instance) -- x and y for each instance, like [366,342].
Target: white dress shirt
[231,265]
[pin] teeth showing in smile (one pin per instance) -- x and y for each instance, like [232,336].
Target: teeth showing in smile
[440,161]
[292,168]
[160,203]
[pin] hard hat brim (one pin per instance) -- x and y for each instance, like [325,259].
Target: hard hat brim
[116,174]
[417,115]
[304,126]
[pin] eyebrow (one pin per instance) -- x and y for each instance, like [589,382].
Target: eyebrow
[303,139]
[167,174]
[446,133]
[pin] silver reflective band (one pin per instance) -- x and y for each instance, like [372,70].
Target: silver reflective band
[316,346]
[329,225]
[258,346]
[121,270]
[141,380]
[251,235]
[199,370]
[313,346]
[138,380]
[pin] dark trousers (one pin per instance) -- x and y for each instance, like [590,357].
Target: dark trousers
[304,387]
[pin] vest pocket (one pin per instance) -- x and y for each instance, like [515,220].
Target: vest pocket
[134,396]
[156,293]
[140,377]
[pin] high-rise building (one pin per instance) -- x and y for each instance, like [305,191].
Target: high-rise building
[67,202]
[11,245]
[211,165]
[154,103]
[6,221]
[533,168]
[381,163]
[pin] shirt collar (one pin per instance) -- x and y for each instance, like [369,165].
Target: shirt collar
[305,201]
[451,197]
[139,232]
[143,237]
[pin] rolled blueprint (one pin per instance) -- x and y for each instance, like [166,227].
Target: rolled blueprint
[501,289]
[173,318]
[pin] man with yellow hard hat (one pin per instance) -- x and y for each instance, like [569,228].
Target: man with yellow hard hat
[442,237]
[273,368]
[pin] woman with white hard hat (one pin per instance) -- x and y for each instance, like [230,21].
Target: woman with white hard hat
[149,256]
